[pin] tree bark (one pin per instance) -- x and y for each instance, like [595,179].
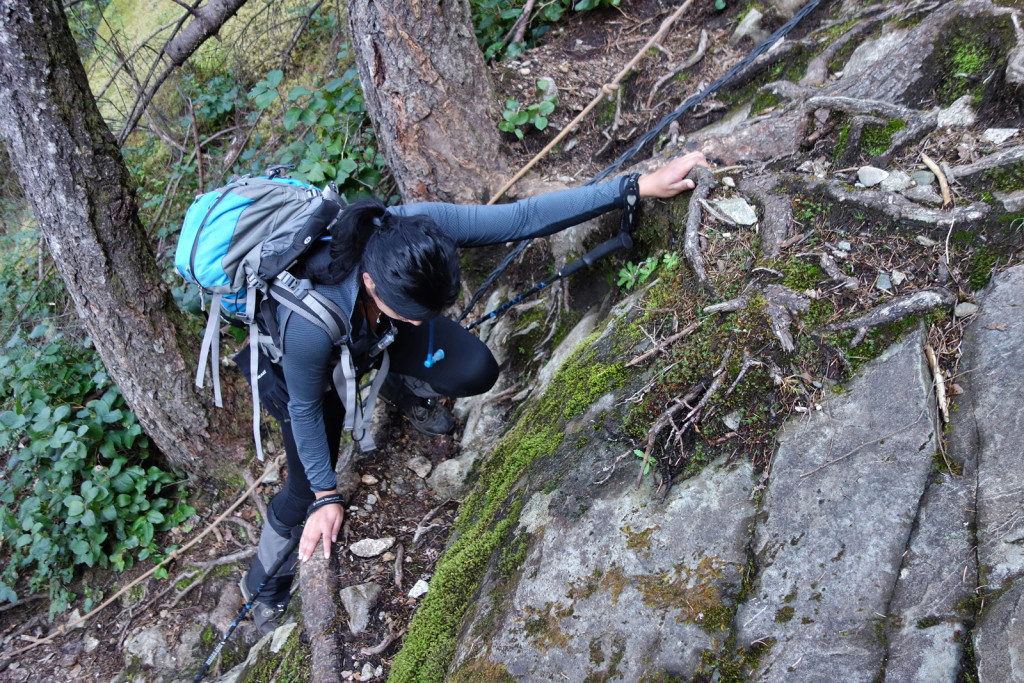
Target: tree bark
[74,177]
[429,95]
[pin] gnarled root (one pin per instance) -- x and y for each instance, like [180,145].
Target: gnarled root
[781,304]
[897,309]
[705,180]
[778,211]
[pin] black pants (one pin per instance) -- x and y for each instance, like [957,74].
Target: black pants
[467,369]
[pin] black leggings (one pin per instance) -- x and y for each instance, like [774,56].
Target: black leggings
[467,369]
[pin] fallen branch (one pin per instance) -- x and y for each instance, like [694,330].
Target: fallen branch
[611,468]
[947,199]
[748,362]
[383,645]
[940,382]
[665,343]
[423,527]
[399,559]
[828,264]
[897,309]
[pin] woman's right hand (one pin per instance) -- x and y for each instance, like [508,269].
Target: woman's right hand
[670,179]
[322,524]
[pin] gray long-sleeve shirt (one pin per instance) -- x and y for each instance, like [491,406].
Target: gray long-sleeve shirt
[308,357]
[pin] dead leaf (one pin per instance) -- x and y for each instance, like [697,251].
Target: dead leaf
[957,390]
[1001,327]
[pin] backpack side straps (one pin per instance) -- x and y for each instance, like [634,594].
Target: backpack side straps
[254,381]
[210,350]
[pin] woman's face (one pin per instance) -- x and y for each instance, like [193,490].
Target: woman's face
[371,289]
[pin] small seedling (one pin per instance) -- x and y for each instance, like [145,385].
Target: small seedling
[515,116]
[640,454]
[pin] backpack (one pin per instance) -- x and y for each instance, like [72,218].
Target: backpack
[236,244]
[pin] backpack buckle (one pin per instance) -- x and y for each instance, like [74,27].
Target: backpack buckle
[293,284]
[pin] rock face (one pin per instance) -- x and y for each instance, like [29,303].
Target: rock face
[840,506]
[992,426]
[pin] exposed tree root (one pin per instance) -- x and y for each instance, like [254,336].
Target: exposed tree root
[918,123]
[831,268]
[665,343]
[696,57]
[705,180]
[382,645]
[776,208]
[999,159]
[896,206]
[897,309]
[781,304]
[817,69]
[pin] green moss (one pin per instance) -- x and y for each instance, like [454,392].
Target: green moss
[733,664]
[482,669]
[946,464]
[928,622]
[784,614]
[763,101]
[875,140]
[639,541]
[982,262]
[840,149]
[542,625]
[1006,179]
[968,53]
[492,510]
[512,556]
[801,274]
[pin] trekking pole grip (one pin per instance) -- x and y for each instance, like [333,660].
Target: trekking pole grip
[620,241]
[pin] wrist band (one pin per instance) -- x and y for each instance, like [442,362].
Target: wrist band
[631,195]
[329,499]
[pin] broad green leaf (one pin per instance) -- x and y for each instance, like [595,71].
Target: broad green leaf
[274,78]
[291,117]
[297,92]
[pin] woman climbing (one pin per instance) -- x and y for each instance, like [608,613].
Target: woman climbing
[393,270]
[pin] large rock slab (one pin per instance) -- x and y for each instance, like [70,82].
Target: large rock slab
[993,369]
[631,587]
[840,505]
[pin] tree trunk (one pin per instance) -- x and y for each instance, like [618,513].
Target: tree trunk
[75,178]
[428,92]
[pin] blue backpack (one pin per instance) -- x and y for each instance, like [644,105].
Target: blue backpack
[236,244]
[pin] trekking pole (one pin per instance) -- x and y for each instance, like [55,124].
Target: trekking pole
[241,615]
[620,241]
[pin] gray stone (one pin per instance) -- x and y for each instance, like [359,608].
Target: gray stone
[593,575]
[420,465]
[749,27]
[898,276]
[1012,201]
[1015,63]
[448,480]
[787,8]
[371,500]
[371,547]
[89,643]
[998,136]
[419,589]
[150,648]
[359,602]
[923,194]
[960,114]
[840,506]
[280,636]
[728,182]
[871,51]
[732,420]
[925,241]
[988,423]
[869,176]
[883,282]
[923,177]
[367,672]
[965,309]
[227,608]
[896,181]
[737,209]
[844,246]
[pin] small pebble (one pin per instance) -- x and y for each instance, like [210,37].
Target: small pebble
[419,589]
[728,182]
[387,557]
[965,309]
[369,479]
[925,241]
[883,282]
[844,246]
[371,499]
[898,277]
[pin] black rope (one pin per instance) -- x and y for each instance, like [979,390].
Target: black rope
[691,102]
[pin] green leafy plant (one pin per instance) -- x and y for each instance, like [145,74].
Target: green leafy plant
[493,21]
[73,490]
[536,114]
[333,140]
[632,274]
[640,454]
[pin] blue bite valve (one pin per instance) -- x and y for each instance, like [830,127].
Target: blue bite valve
[433,358]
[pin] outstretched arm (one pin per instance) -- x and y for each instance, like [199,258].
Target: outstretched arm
[549,213]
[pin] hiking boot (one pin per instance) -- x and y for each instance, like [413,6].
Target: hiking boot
[267,617]
[428,416]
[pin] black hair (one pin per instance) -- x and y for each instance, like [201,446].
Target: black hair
[413,263]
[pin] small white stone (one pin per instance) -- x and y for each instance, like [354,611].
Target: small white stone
[732,420]
[367,673]
[925,241]
[998,136]
[869,176]
[737,209]
[420,465]
[524,71]
[844,246]
[387,557]
[371,499]
[728,182]
[898,276]
[419,589]
[923,194]
[965,309]
[897,181]
[369,479]
[371,547]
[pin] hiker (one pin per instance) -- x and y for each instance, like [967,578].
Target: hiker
[393,270]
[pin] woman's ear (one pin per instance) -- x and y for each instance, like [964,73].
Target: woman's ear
[368,281]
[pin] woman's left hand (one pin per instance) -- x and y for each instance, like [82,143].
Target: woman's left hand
[670,179]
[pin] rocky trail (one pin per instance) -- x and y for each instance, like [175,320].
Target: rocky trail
[817,354]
